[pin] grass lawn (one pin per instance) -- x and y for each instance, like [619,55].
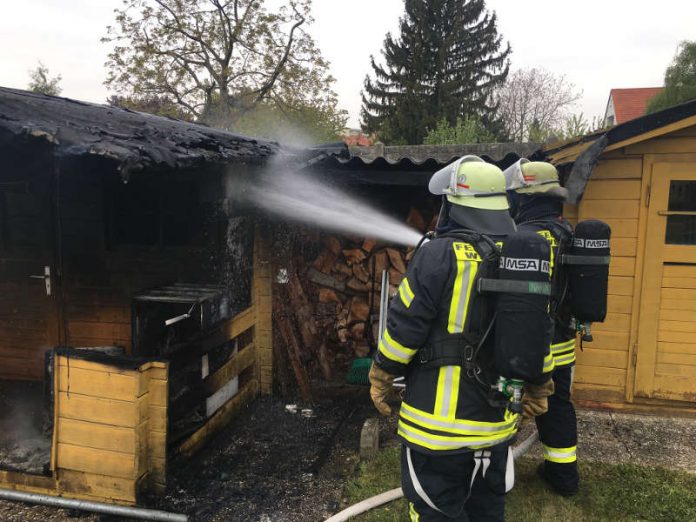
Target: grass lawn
[607,493]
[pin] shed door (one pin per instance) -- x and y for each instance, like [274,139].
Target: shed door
[28,286]
[666,356]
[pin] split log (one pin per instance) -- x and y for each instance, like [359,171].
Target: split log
[357,331]
[343,269]
[396,260]
[325,262]
[324,363]
[433,222]
[361,273]
[321,279]
[353,256]
[415,220]
[358,310]
[343,335]
[395,277]
[381,263]
[293,349]
[369,244]
[303,311]
[326,295]
[333,244]
[355,284]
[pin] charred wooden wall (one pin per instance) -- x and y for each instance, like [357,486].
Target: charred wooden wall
[106,240]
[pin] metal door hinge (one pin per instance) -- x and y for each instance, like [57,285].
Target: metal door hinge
[647,196]
[634,357]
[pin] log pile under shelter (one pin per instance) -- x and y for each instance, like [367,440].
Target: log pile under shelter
[327,304]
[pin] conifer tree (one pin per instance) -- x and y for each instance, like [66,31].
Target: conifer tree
[445,63]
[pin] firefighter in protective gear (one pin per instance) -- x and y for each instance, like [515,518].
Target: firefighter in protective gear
[455,432]
[539,200]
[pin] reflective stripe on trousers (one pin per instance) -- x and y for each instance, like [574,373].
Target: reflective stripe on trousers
[560,455]
[563,353]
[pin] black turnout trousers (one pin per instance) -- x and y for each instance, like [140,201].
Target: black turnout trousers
[462,487]
[558,430]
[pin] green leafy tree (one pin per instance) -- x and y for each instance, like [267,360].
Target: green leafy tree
[468,129]
[445,63]
[219,60]
[41,81]
[159,105]
[680,79]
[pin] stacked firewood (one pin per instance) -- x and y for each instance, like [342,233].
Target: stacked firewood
[327,312]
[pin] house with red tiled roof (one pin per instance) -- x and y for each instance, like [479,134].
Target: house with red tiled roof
[627,104]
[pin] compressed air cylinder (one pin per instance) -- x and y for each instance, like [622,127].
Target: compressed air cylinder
[588,271]
[523,328]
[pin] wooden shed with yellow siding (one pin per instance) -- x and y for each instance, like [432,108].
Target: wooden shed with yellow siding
[640,178]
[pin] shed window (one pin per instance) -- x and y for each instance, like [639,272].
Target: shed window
[681,226]
[150,212]
[20,217]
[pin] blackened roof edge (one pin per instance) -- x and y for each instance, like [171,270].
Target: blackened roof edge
[135,140]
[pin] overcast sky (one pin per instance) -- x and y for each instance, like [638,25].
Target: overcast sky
[596,44]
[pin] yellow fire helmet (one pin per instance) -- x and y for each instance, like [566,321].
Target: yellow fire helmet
[531,177]
[471,182]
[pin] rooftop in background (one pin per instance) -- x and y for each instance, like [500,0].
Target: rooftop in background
[628,104]
[440,154]
[412,165]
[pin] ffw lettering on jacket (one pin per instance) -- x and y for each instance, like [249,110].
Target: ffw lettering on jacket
[467,251]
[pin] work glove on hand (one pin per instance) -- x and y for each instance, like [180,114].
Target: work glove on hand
[380,387]
[535,400]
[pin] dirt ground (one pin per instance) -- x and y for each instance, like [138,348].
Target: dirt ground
[270,465]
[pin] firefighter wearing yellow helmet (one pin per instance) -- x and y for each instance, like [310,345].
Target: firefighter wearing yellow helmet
[538,206]
[455,431]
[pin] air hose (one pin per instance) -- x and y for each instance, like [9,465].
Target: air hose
[397,493]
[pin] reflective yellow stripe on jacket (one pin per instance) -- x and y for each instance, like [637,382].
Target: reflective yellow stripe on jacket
[563,353]
[467,266]
[447,393]
[438,432]
[451,442]
[405,293]
[394,350]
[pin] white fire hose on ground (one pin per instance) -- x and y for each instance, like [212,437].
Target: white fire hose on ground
[397,493]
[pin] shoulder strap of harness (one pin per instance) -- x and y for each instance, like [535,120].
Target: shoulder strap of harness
[563,232]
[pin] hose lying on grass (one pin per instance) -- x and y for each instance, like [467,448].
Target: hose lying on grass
[397,493]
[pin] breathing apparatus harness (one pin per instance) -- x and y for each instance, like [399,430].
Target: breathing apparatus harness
[580,272]
[491,309]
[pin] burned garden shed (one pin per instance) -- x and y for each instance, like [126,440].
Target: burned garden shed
[134,297]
